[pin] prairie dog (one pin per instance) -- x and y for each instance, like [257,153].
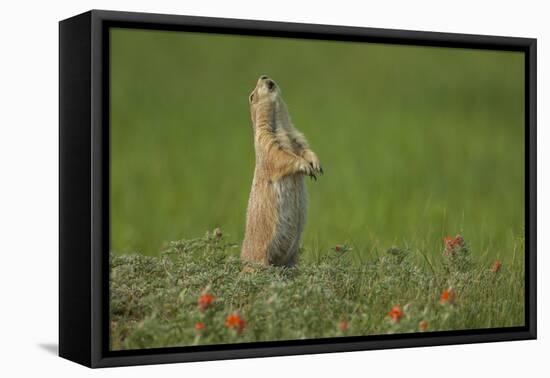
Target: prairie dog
[277,206]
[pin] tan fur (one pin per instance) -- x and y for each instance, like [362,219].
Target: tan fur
[277,205]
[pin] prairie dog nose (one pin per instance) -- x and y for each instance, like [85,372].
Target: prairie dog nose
[270,83]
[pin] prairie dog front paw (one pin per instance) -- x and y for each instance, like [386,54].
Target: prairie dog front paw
[313,161]
[306,168]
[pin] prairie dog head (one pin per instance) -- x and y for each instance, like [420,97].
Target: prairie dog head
[264,100]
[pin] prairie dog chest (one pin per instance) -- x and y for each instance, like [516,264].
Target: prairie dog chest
[291,207]
[291,202]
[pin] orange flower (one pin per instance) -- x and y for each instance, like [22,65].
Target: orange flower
[234,321]
[338,248]
[343,325]
[205,301]
[453,245]
[396,313]
[423,325]
[199,326]
[496,266]
[448,296]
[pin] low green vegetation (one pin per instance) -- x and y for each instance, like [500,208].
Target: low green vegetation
[198,292]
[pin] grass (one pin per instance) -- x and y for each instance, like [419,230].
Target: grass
[417,142]
[155,300]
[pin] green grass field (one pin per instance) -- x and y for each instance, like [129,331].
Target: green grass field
[156,301]
[417,143]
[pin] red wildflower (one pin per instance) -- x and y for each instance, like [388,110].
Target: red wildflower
[496,266]
[423,325]
[199,326]
[343,325]
[448,296]
[396,313]
[205,301]
[234,321]
[453,245]
[341,248]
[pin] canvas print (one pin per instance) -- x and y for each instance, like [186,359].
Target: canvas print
[275,189]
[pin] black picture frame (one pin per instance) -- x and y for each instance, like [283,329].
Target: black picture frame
[84,188]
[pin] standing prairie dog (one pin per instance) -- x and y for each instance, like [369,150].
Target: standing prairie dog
[277,206]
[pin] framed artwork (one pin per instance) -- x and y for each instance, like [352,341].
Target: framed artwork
[235,188]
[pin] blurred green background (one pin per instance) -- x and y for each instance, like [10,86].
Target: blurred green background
[416,142]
